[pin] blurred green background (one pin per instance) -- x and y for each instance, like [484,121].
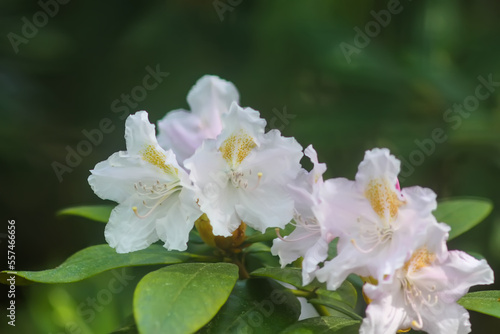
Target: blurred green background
[285,57]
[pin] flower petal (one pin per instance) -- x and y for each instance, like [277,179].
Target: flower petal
[128,233]
[210,98]
[114,178]
[182,132]
[450,318]
[267,206]
[290,249]
[378,163]
[177,220]
[241,121]
[139,133]
[386,314]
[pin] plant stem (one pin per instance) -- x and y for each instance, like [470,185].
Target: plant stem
[302,293]
[243,271]
[322,311]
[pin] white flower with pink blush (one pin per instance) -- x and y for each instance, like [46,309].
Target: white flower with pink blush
[307,240]
[424,293]
[378,225]
[154,193]
[241,176]
[183,131]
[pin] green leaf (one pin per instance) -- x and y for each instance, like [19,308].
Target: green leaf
[345,293]
[255,305]
[336,305]
[256,260]
[94,260]
[291,276]
[257,247]
[462,214]
[182,298]
[487,302]
[269,235]
[98,213]
[319,325]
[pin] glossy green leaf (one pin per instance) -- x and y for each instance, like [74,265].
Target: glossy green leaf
[98,213]
[345,293]
[336,305]
[94,260]
[291,276]
[320,325]
[462,214]
[182,298]
[255,306]
[256,260]
[257,247]
[487,302]
[269,235]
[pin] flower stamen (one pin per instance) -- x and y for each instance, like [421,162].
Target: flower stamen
[158,192]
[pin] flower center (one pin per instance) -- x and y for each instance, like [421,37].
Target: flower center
[154,195]
[385,201]
[371,235]
[418,295]
[239,179]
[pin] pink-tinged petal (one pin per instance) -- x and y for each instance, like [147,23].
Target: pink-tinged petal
[424,199]
[312,258]
[378,164]
[295,245]
[339,207]
[335,271]
[209,99]
[319,169]
[450,318]
[460,272]
[182,132]
[386,315]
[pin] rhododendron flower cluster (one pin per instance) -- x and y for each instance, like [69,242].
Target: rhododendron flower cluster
[217,160]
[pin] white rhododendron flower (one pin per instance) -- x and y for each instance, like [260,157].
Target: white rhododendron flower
[307,240]
[424,293]
[243,173]
[153,192]
[378,225]
[183,131]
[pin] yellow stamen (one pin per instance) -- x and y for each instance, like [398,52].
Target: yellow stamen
[157,158]
[383,199]
[236,148]
[420,259]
